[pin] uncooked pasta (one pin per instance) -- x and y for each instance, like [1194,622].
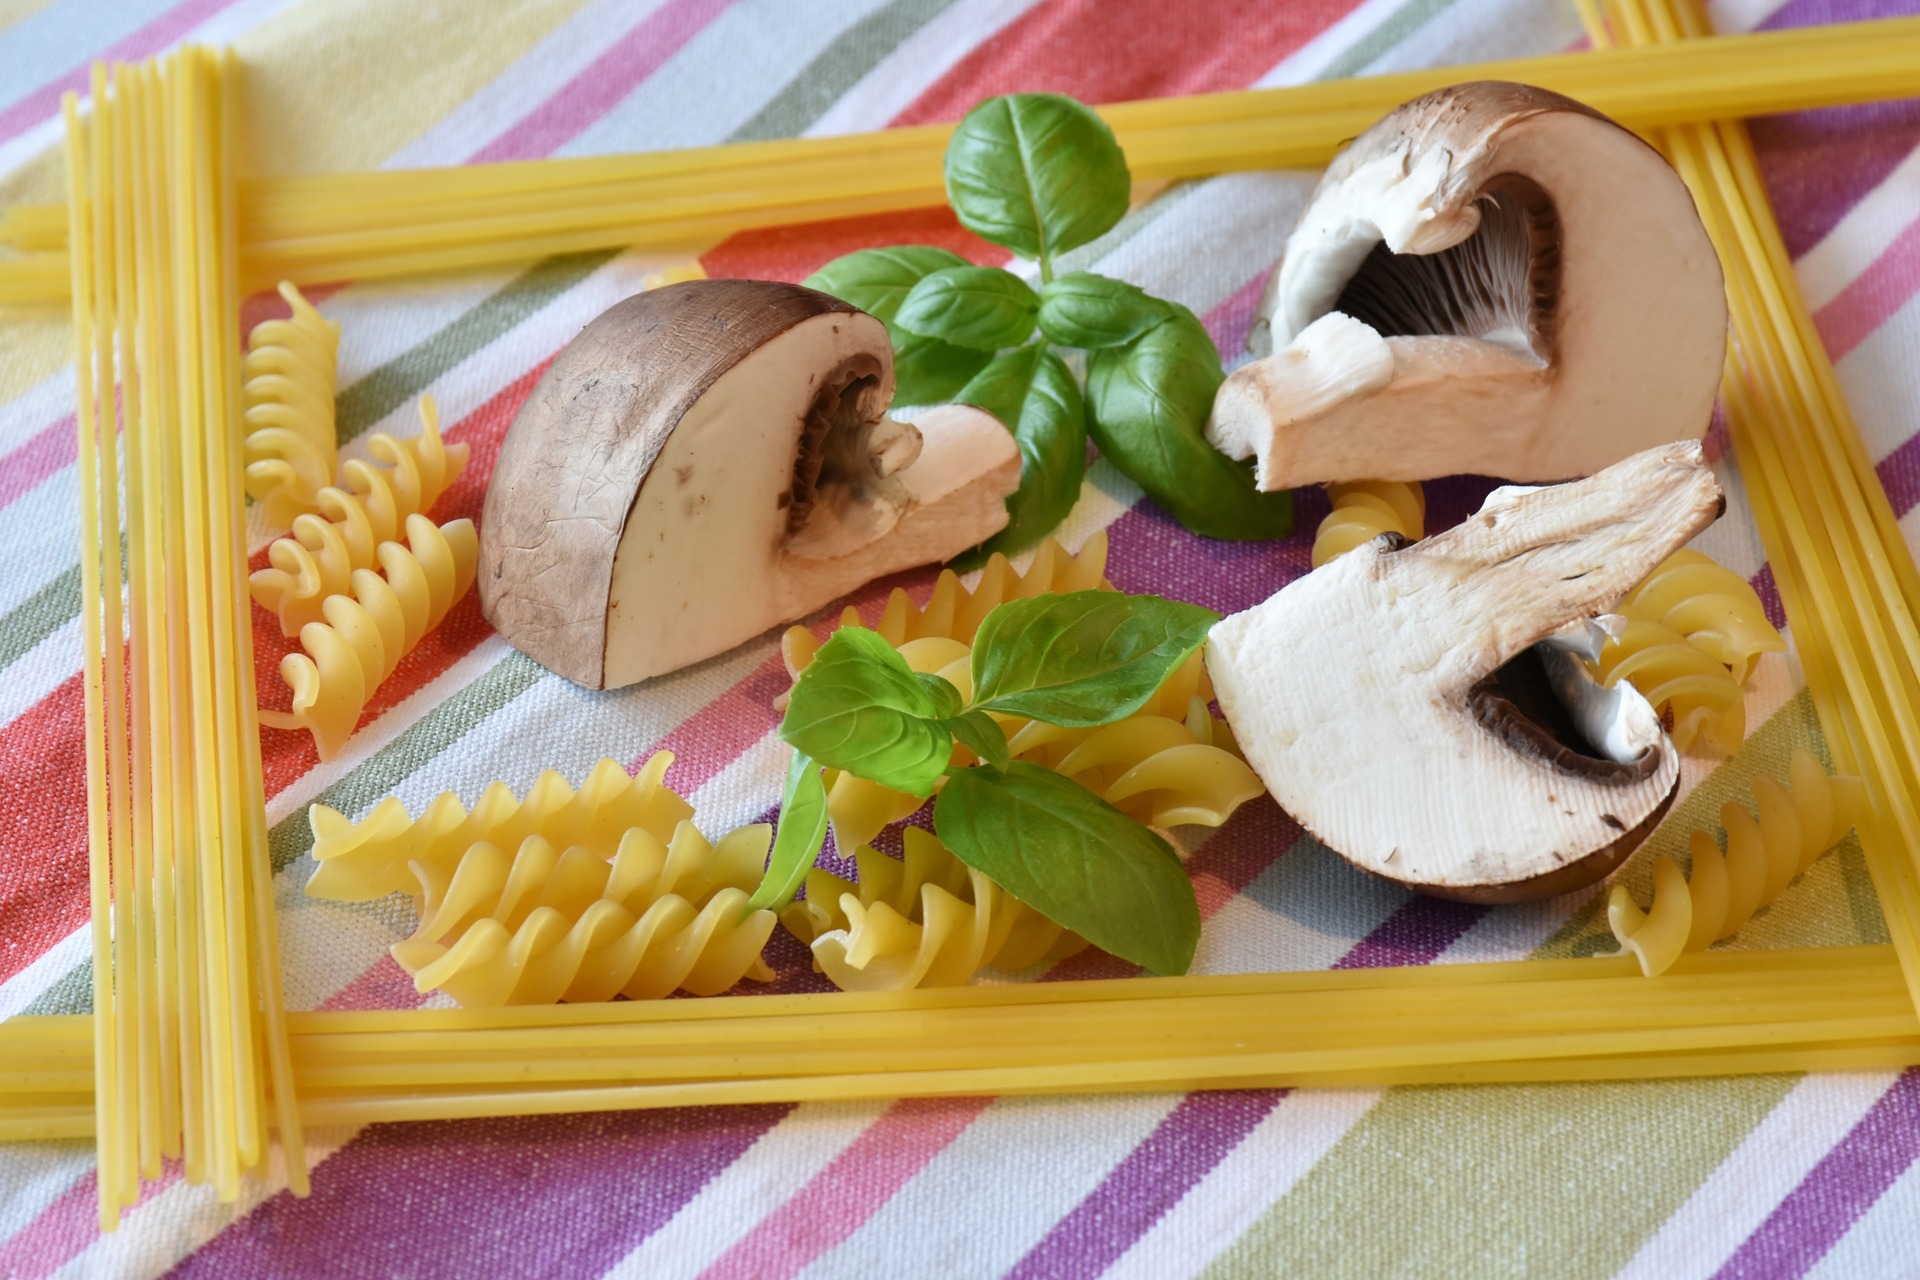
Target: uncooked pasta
[366,633]
[360,861]
[1796,824]
[927,920]
[1365,509]
[371,505]
[288,394]
[542,924]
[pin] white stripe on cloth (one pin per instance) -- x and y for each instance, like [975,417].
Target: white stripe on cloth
[1880,1245]
[1858,240]
[1267,1164]
[920,60]
[1750,1183]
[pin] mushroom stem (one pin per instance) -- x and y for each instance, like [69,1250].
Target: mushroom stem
[892,447]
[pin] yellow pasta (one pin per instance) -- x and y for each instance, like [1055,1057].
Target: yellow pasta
[289,371]
[1796,824]
[360,861]
[365,634]
[1365,509]
[371,506]
[1692,633]
[927,921]
[539,925]
[1717,610]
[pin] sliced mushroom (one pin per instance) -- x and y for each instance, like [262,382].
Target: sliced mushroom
[1397,701]
[1493,279]
[710,459]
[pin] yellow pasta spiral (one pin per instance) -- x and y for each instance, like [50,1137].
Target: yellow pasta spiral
[371,506]
[1796,824]
[290,448]
[540,925]
[927,921]
[1365,509]
[361,861]
[1171,763]
[1693,631]
[1717,610]
[365,634]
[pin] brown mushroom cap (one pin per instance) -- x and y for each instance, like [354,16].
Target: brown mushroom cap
[707,460]
[1492,279]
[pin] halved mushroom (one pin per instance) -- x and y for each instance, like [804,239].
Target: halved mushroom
[710,459]
[1493,279]
[1399,704]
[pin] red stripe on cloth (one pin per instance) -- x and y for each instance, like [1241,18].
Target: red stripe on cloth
[43,102]
[602,86]
[50,449]
[1120,50]
[1873,297]
[841,1197]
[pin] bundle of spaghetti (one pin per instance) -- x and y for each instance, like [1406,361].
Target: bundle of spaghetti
[1365,509]
[1846,576]
[367,632]
[372,505]
[927,920]
[539,925]
[1795,826]
[369,225]
[288,393]
[361,861]
[1715,1013]
[190,1026]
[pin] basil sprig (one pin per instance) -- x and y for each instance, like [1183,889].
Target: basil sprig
[1080,659]
[1041,174]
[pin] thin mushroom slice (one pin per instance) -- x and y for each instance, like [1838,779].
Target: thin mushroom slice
[710,459]
[1493,279]
[1400,702]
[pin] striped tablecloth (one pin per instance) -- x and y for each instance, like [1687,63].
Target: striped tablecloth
[1770,1176]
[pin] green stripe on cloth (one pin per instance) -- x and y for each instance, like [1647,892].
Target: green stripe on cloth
[413,370]
[844,64]
[1403,22]
[1503,1181]
[39,616]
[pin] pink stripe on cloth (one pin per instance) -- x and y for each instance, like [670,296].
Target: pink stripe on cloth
[66,1227]
[841,1197]
[43,102]
[601,87]
[1874,296]
[47,451]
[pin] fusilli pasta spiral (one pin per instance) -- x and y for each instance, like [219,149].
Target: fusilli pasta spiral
[1796,824]
[361,861]
[540,925]
[927,921]
[290,448]
[319,559]
[1692,632]
[1365,509]
[365,634]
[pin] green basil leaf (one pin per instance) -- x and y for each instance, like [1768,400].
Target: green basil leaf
[797,842]
[1036,172]
[878,280]
[1091,311]
[1083,658]
[1032,391]
[859,707]
[940,691]
[984,308]
[978,732]
[1074,858]
[929,371]
[1148,404]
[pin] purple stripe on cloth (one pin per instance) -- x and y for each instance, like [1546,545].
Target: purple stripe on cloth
[1818,164]
[1415,934]
[44,102]
[489,1197]
[601,87]
[1194,1137]
[1842,1187]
